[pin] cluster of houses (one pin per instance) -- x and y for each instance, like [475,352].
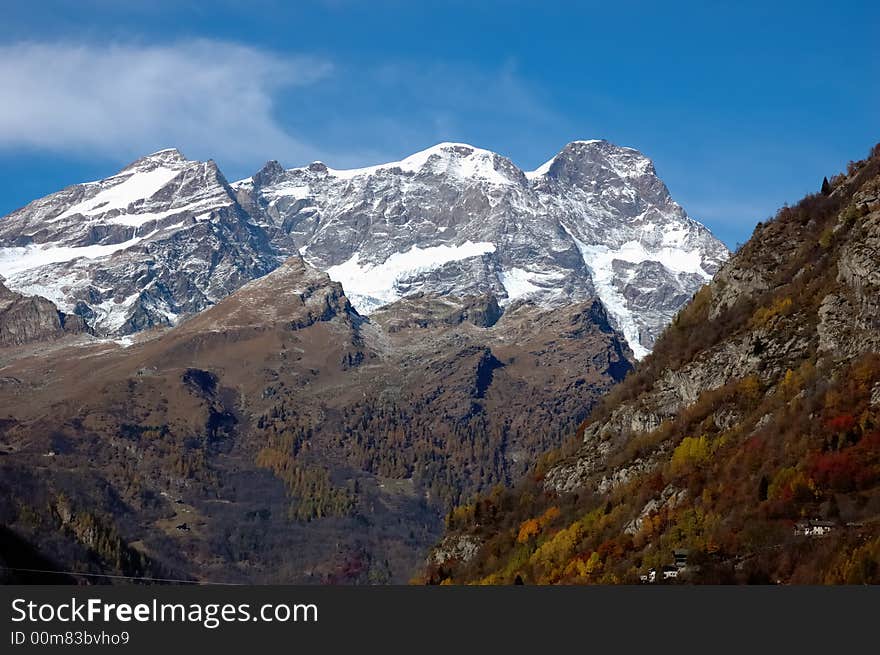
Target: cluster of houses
[804,528]
[669,571]
[813,528]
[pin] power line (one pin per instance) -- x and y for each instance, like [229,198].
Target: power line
[116,577]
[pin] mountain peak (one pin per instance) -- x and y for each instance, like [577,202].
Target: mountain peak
[167,152]
[91,240]
[170,158]
[582,160]
[460,159]
[453,148]
[452,218]
[166,155]
[271,172]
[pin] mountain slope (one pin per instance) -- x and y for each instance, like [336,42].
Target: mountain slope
[595,219]
[162,238]
[270,406]
[278,436]
[748,441]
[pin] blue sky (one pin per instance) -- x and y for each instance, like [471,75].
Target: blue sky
[741,107]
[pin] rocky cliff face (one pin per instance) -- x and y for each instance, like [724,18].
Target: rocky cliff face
[839,251]
[728,433]
[27,319]
[167,237]
[161,239]
[454,219]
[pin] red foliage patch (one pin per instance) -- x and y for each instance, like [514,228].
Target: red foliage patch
[841,424]
[857,467]
[838,471]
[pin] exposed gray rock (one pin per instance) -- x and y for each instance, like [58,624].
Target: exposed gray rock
[624,474]
[669,498]
[460,548]
[734,282]
[428,310]
[161,239]
[26,319]
[167,237]
[458,220]
[760,351]
[571,475]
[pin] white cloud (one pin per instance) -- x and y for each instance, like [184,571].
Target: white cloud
[209,98]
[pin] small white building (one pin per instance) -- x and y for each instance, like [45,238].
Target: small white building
[666,573]
[813,528]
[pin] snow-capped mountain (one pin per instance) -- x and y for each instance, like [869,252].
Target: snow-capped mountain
[593,220]
[167,237]
[162,238]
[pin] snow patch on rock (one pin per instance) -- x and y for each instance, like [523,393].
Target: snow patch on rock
[130,188]
[19,259]
[457,159]
[600,259]
[520,283]
[369,286]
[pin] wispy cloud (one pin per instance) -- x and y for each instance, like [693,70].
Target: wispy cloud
[241,104]
[210,98]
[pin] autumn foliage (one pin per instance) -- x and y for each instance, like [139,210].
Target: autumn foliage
[732,477]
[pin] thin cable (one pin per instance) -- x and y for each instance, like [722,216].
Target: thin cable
[116,577]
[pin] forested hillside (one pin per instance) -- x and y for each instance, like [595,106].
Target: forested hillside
[745,449]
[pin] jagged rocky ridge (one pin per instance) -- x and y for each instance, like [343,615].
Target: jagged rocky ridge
[167,237]
[753,427]
[161,239]
[594,220]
